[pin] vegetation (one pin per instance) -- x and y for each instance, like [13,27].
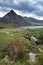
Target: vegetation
[38,33]
[16,44]
[39,59]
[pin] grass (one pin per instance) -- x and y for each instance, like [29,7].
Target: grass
[20,38]
[38,33]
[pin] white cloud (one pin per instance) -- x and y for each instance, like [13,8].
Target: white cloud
[2,14]
[29,8]
[23,14]
[27,14]
[18,1]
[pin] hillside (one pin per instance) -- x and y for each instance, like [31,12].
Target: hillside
[15,46]
[34,21]
[16,20]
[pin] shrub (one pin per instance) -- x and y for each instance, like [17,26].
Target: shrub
[15,49]
[39,59]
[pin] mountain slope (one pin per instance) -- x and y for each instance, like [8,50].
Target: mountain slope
[14,19]
[34,21]
[17,20]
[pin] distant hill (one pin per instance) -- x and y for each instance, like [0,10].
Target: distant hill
[34,21]
[17,20]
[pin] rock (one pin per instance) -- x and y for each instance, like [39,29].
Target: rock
[6,57]
[33,39]
[32,56]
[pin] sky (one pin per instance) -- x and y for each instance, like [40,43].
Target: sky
[29,8]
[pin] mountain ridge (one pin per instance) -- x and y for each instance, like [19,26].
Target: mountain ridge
[17,20]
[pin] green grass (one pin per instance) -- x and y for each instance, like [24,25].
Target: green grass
[6,35]
[4,25]
[38,33]
[21,37]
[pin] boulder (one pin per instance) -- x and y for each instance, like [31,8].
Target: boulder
[33,39]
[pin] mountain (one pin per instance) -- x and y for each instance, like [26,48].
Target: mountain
[17,20]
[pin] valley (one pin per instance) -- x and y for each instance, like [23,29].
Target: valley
[21,40]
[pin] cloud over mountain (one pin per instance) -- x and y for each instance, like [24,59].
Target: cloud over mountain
[34,7]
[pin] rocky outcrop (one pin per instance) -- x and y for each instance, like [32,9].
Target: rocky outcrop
[33,39]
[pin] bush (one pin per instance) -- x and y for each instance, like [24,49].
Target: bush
[39,59]
[15,49]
